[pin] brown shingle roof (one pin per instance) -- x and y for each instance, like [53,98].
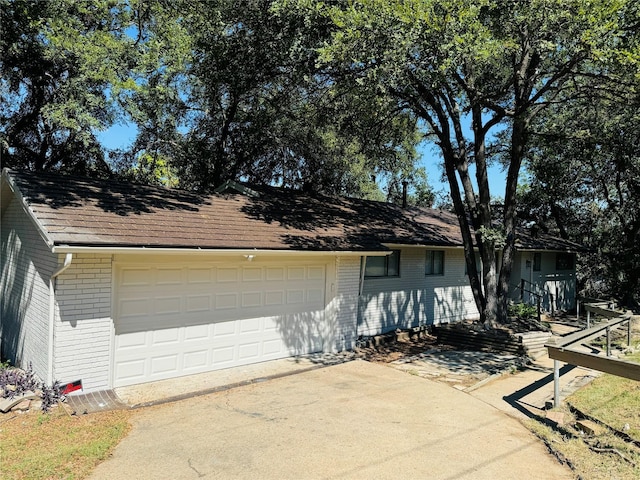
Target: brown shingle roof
[89,212]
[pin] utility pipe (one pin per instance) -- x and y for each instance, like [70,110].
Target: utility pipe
[52,313]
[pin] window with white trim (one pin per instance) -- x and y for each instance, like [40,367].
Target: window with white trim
[387,266]
[434,262]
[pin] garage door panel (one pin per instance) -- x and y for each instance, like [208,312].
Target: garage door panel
[274,298]
[226,301]
[295,296]
[132,340]
[164,364]
[196,360]
[252,274]
[169,276]
[198,303]
[135,277]
[168,305]
[275,274]
[227,275]
[315,296]
[249,351]
[197,332]
[165,336]
[252,299]
[295,273]
[223,355]
[199,275]
[251,325]
[174,321]
[131,371]
[222,329]
[135,307]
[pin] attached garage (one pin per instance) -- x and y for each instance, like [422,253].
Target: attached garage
[116,285]
[174,319]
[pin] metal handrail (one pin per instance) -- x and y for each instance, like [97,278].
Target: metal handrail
[563,351]
[538,296]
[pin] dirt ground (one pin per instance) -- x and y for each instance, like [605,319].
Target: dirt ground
[424,357]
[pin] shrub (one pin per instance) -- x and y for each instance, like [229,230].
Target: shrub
[523,310]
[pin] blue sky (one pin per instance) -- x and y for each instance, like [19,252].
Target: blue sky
[433,164]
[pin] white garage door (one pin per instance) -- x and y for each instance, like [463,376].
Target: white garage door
[179,320]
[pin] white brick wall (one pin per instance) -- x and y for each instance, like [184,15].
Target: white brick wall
[27,264]
[84,322]
[414,298]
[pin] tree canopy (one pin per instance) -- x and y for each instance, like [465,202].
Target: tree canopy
[584,179]
[336,97]
[214,90]
[495,65]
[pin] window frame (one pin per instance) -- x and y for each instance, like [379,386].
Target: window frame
[561,257]
[395,255]
[429,260]
[536,264]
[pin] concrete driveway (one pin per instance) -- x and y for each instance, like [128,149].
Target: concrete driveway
[354,420]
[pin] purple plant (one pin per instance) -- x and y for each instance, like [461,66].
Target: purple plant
[51,396]
[15,382]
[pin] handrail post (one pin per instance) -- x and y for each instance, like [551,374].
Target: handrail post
[556,383]
[521,289]
[629,331]
[538,297]
[588,319]
[608,341]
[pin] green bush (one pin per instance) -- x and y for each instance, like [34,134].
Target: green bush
[523,310]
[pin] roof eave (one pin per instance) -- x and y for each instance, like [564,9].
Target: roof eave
[111,250]
[42,231]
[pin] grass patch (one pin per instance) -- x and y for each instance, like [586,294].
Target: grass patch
[583,460]
[56,445]
[612,400]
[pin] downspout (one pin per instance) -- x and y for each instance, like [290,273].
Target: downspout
[52,313]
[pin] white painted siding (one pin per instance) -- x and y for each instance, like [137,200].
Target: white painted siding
[344,304]
[557,288]
[27,265]
[413,298]
[83,328]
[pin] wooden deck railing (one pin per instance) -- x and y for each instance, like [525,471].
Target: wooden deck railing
[565,350]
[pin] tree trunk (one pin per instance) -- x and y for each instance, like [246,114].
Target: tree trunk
[518,142]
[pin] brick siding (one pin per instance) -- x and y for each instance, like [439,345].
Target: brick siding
[27,265]
[84,322]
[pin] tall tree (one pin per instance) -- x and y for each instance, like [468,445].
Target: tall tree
[58,61]
[492,64]
[263,111]
[214,90]
[585,183]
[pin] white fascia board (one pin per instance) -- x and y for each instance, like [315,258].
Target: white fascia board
[25,206]
[544,250]
[210,251]
[432,247]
